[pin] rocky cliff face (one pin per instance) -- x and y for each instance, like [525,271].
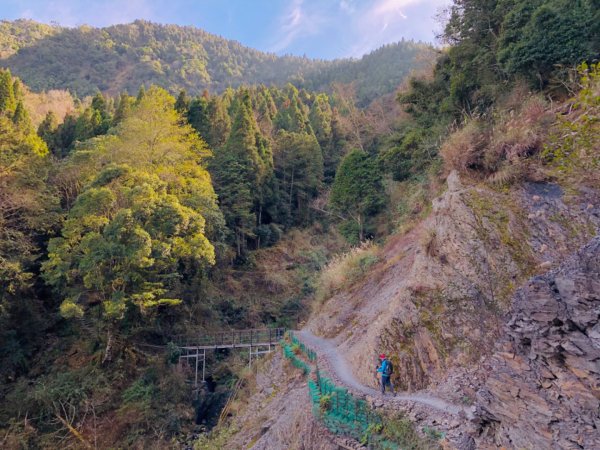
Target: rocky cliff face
[443,296]
[436,301]
[543,390]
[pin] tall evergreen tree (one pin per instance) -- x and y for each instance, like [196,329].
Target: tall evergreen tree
[357,191]
[220,122]
[47,130]
[124,107]
[291,113]
[182,103]
[299,168]
[247,159]
[7,95]
[198,116]
[21,117]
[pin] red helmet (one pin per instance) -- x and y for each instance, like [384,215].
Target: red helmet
[382,356]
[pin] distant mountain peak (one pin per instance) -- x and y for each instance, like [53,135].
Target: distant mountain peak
[118,58]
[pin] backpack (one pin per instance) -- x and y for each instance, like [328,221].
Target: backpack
[389,369]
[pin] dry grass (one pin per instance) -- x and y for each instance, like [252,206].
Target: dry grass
[344,270]
[463,150]
[518,135]
[501,151]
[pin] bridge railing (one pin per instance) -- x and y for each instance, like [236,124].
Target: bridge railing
[231,338]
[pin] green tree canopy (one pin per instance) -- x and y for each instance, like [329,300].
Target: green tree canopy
[357,191]
[299,168]
[7,93]
[131,231]
[123,243]
[29,211]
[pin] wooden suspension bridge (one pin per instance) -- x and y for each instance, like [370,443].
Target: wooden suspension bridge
[193,348]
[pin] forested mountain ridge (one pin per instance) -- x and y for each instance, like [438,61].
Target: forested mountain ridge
[121,57]
[404,227]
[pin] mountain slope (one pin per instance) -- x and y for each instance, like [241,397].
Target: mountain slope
[121,57]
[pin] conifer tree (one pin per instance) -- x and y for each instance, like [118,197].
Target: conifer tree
[123,108]
[199,117]
[21,118]
[299,167]
[47,130]
[220,122]
[141,93]
[182,103]
[357,191]
[7,94]
[246,163]
[291,114]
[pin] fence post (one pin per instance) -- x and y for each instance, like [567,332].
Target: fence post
[196,373]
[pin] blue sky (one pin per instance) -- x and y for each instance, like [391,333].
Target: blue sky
[315,28]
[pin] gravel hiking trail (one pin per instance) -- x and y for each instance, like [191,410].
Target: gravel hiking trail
[326,349]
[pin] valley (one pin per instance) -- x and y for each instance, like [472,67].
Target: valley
[164,188]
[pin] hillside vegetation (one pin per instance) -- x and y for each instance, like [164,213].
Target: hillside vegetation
[496,183]
[231,189]
[122,57]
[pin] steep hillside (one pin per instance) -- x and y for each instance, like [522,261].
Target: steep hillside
[439,301]
[435,299]
[121,57]
[487,302]
[456,231]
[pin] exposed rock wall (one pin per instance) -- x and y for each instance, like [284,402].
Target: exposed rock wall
[436,300]
[543,390]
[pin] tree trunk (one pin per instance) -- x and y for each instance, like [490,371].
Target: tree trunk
[361,235]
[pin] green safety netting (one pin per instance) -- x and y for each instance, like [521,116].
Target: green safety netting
[342,413]
[310,354]
[296,362]
[335,407]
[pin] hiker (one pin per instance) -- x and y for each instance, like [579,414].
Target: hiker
[386,369]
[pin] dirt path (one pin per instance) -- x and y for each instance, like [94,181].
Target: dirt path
[336,363]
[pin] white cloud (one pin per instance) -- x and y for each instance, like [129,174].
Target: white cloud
[297,22]
[102,13]
[385,21]
[384,7]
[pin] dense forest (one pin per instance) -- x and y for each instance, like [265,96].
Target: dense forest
[118,58]
[195,163]
[134,213]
